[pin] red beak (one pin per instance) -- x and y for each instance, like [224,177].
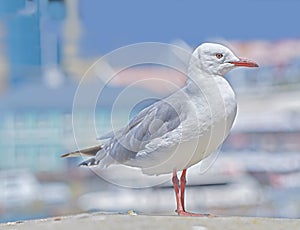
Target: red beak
[244,62]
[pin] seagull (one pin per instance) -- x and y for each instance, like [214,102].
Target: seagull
[180,130]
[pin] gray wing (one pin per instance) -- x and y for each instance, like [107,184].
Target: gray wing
[152,122]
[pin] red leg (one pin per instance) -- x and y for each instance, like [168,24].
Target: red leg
[177,193]
[182,187]
[180,195]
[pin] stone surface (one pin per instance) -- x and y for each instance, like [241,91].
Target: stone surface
[133,221]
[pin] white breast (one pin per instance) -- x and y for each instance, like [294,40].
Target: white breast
[223,110]
[207,126]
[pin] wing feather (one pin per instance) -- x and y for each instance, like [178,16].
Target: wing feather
[151,123]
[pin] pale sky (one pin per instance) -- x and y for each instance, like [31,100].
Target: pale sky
[107,25]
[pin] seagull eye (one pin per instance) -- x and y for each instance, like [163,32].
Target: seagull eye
[219,55]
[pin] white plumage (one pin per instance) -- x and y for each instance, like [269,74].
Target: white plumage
[182,129]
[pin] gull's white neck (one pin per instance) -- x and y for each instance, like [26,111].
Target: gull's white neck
[214,89]
[202,81]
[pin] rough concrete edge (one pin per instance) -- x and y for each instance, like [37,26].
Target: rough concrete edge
[111,215]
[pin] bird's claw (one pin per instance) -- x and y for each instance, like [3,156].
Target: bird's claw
[184,213]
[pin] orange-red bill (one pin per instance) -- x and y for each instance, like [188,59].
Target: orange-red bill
[244,62]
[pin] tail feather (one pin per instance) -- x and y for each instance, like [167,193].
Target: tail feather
[92,151]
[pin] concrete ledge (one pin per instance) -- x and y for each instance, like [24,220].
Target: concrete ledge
[119,221]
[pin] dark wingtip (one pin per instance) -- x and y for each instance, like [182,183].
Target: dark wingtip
[82,164]
[89,162]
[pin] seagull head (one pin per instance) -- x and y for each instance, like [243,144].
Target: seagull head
[216,59]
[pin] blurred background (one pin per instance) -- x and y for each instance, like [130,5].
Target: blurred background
[46,46]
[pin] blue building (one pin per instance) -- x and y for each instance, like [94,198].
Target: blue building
[32,36]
